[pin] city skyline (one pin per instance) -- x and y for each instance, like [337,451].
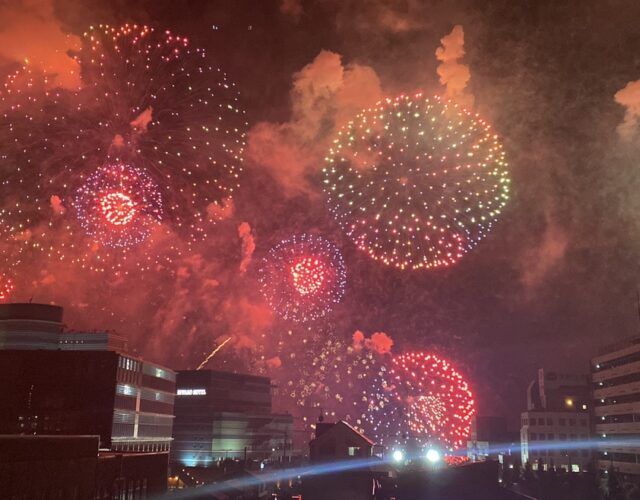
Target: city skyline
[552,282]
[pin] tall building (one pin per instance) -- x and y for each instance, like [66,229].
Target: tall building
[615,374]
[55,382]
[557,414]
[226,415]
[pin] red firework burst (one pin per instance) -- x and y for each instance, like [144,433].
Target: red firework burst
[308,275]
[119,205]
[422,397]
[118,208]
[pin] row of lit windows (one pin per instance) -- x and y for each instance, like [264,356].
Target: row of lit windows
[615,381]
[624,418]
[550,437]
[550,421]
[614,400]
[632,458]
[139,447]
[621,361]
[558,453]
[127,390]
[151,395]
[128,364]
[158,372]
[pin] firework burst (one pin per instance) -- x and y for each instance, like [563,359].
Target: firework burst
[303,277]
[149,100]
[415,182]
[119,205]
[420,396]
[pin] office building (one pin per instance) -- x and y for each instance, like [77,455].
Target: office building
[70,467]
[556,421]
[223,415]
[615,374]
[65,383]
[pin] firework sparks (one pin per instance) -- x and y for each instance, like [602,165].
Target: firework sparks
[149,100]
[302,278]
[415,182]
[421,396]
[119,205]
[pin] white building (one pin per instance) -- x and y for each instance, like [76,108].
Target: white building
[555,429]
[616,390]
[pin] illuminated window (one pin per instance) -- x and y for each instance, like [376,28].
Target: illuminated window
[354,451]
[568,402]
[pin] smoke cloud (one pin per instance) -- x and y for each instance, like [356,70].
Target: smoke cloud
[141,122]
[325,95]
[48,52]
[379,342]
[544,258]
[221,211]
[248,245]
[629,97]
[453,74]
[56,205]
[292,8]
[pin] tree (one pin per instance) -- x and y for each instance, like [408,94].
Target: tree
[614,487]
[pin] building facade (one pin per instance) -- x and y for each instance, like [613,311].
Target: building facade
[555,429]
[70,467]
[50,384]
[615,374]
[223,415]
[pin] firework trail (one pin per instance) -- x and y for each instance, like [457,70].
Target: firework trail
[213,353]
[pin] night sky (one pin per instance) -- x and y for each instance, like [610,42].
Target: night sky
[553,282]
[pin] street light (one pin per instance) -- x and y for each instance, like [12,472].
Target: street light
[433,456]
[397,456]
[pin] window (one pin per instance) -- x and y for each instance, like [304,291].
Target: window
[572,422]
[563,437]
[533,421]
[533,436]
[583,423]
[562,421]
[549,421]
[354,451]
[551,437]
